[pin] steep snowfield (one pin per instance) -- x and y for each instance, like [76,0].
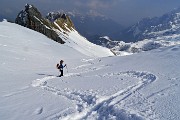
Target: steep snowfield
[81,44]
[142,86]
[76,41]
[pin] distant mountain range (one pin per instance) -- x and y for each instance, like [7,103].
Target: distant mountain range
[94,25]
[147,34]
[165,25]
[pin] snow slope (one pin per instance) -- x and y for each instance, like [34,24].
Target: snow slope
[73,39]
[81,44]
[142,86]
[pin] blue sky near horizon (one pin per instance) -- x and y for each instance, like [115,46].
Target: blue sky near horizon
[125,12]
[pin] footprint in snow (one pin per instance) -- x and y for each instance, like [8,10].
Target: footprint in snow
[38,111]
[42,81]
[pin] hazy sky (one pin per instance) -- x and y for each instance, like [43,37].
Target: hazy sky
[125,12]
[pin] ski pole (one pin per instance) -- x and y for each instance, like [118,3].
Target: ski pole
[67,69]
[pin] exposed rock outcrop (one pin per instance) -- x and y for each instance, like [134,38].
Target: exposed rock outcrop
[51,26]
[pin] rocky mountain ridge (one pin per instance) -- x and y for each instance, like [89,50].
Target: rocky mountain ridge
[147,28]
[147,34]
[94,26]
[51,25]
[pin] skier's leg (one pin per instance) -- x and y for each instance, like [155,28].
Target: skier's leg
[61,73]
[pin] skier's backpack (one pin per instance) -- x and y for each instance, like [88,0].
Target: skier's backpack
[57,66]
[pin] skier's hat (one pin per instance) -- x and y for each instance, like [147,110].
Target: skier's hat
[61,61]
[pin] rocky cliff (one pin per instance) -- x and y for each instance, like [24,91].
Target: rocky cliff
[51,26]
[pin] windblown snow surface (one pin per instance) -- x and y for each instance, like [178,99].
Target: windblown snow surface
[143,86]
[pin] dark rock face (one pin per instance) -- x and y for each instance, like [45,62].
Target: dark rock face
[32,18]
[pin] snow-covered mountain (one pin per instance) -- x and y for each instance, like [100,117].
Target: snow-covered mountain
[122,48]
[166,25]
[148,34]
[93,25]
[147,28]
[142,86]
[51,26]
[59,27]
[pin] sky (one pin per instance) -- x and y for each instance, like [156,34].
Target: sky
[125,12]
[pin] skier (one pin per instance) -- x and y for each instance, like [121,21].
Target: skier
[60,67]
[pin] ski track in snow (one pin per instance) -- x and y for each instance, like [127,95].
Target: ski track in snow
[126,104]
[20,91]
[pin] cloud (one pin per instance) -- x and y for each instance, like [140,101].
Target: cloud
[94,4]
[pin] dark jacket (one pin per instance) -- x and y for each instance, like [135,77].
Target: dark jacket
[61,66]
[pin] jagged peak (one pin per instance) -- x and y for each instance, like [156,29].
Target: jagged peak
[28,5]
[51,25]
[53,16]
